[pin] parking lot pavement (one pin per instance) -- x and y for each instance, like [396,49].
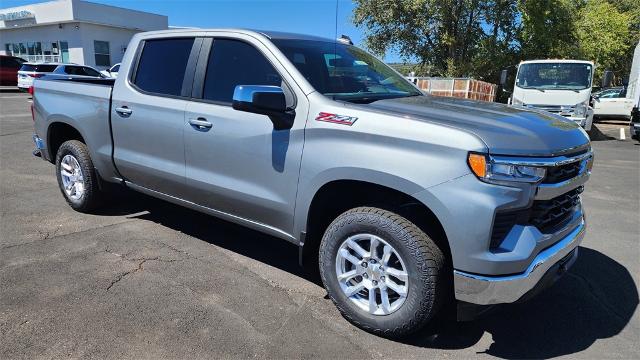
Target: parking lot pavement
[147,279]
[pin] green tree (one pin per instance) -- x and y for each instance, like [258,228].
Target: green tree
[498,47]
[440,33]
[603,35]
[547,29]
[478,38]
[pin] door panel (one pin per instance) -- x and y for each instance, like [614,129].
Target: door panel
[611,106]
[240,165]
[149,143]
[148,115]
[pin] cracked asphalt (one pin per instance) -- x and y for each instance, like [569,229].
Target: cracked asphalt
[148,279]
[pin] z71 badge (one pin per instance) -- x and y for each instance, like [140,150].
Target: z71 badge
[336,119]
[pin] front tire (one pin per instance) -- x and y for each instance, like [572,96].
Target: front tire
[76,175]
[382,272]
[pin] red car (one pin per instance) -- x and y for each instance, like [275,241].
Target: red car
[9,66]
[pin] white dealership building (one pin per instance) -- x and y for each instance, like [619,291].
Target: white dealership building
[73,31]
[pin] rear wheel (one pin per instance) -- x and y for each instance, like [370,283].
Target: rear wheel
[383,273]
[76,175]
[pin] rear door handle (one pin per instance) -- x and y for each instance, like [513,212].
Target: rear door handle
[200,123]
[124,111]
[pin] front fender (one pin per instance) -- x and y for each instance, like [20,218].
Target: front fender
[307,192]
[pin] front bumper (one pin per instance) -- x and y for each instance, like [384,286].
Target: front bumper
[584,121]
[490,290]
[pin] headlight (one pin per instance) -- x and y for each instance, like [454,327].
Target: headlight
[580,110]
[499,172]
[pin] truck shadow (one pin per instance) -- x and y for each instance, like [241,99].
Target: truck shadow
[595,134]
[595,300]
[252,244]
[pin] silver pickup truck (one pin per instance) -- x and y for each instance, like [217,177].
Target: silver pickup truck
[407,203]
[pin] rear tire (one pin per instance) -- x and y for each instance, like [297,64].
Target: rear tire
[421,261]
[76,176]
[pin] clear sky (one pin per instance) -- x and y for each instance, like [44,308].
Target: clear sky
[315,17]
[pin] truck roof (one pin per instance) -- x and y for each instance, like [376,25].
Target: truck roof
[556,61]
[267,33]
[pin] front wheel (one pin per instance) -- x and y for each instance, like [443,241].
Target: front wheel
[77,178]
[383,273]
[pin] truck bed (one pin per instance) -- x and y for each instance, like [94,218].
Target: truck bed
[83,104]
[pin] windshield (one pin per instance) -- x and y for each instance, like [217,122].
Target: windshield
[345,72]
[568,76]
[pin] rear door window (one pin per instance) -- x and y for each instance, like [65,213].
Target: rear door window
[232,63]
[71,70]
[87,71]
[80,70]
[162,65]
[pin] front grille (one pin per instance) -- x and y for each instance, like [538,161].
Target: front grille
[549,215]
[565,110]
[546,215]
[561,173]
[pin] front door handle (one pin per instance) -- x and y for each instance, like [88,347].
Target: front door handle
[200,123]
[123,111]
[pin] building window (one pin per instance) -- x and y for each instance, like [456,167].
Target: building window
[101,49]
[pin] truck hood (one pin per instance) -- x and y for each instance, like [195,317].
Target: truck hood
[506,130]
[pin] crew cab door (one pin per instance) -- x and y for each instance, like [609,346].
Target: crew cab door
[148,114]
[236,163]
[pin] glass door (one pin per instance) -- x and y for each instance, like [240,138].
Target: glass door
[64,51]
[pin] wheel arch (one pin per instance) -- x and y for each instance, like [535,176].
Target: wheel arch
[59,131]
[336,196]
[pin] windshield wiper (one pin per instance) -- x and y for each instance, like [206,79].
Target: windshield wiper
[371,99]
[561,88]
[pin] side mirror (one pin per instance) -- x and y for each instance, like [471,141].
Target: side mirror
[607,79]
[264,100]
[503,77]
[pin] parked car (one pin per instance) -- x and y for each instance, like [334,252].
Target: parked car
[404,201]
[30,71]
[77,70]
[612,103]
[9,66]
[112,71]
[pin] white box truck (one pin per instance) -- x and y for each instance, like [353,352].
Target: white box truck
[562,87]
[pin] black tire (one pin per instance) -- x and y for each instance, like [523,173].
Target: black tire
[90,199]
[424,261]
